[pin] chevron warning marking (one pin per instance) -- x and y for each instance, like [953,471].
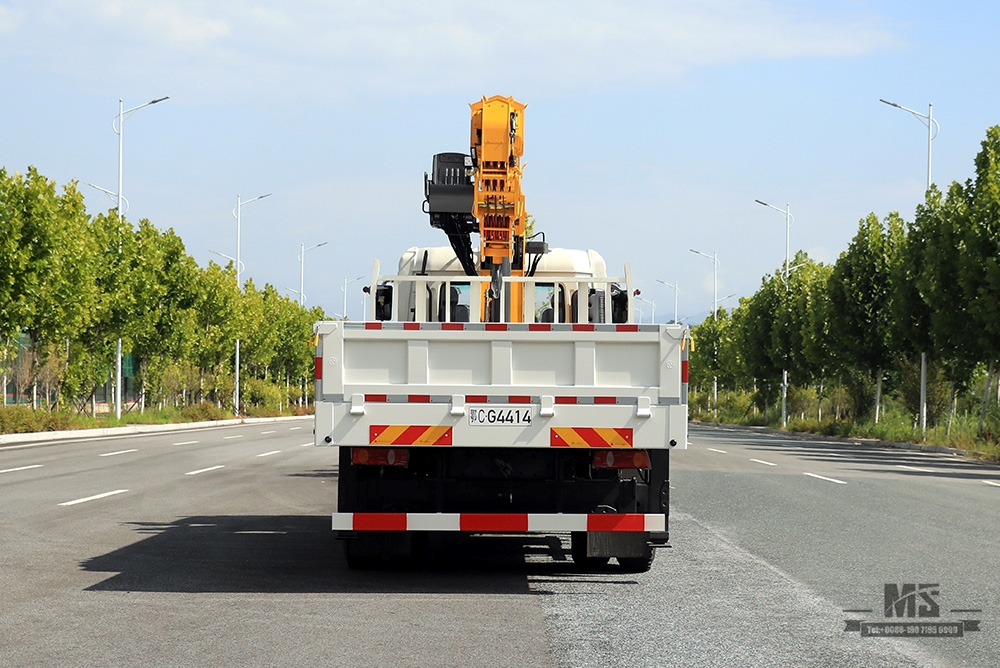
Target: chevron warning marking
[394,434]
[590,437]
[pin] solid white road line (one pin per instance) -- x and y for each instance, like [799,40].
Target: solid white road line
[225,438]
[822,477]
[988,482]
[187,442]
[913,468]
[23,468]
[272,452]
[761,461]
[210,468]
[120,452]
[715,450]
[93,498]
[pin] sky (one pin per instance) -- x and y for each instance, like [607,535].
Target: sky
[651,127]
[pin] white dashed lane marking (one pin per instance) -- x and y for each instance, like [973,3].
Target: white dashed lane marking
[119,452]
[210,468]
[266,454]
[23,468]
[716,450]
[761,461]
[823,477]
[93,498]
[914,468]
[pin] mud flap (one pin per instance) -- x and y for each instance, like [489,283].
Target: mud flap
[617,543]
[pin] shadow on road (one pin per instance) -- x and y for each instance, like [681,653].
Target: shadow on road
[300,554]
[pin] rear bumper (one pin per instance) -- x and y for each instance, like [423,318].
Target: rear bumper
[501,522]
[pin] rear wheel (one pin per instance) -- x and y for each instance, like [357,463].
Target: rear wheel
[639,564]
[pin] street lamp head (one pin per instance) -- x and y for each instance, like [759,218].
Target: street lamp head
[159,99]
[891,104]
[762,202]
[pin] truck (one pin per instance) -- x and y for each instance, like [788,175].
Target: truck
[504,389]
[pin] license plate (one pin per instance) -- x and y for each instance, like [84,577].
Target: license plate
[501,415]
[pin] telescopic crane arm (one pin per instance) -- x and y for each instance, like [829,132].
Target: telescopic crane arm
[481,192]
[497,141]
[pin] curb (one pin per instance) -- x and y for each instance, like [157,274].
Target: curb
[808,436]
[25,440]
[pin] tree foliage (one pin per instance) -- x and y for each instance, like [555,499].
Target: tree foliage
[899,290]
[75,284]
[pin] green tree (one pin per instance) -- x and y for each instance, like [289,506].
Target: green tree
[980,276]
[216,329]
[164,290]
[931,297]
[52,293]
[860,305]
[755,320]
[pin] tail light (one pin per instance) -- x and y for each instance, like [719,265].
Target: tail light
[621,459]
[380,456]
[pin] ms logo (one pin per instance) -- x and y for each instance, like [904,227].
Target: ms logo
[902,600]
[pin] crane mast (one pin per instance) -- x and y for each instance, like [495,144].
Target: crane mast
[481,193]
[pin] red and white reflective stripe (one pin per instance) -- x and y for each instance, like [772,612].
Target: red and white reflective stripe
[501,326]
[495,399]
[498,522]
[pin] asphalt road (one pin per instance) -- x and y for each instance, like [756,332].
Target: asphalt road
[213,547]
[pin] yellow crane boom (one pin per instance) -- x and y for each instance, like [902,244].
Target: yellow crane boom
[481,193]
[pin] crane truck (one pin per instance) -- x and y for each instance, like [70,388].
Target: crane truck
[502,387]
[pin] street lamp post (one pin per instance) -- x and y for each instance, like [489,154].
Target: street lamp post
[784,372]
[346,283]
[652,307]
[228,257]
[932,131]
[715,308]
[677,289]
[239,287]
[302,270]
[119,128]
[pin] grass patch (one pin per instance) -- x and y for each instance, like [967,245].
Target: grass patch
[23,419]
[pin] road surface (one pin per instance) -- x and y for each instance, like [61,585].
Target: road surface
[213,547]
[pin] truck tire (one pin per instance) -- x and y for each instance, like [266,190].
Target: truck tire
[578,550]
[638,564]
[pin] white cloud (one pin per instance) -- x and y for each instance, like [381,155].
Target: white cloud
[331,50]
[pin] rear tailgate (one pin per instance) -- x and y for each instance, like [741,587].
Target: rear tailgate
[501,385]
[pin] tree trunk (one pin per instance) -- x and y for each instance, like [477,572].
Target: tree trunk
[986,396]
[878,395]
[819,403]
